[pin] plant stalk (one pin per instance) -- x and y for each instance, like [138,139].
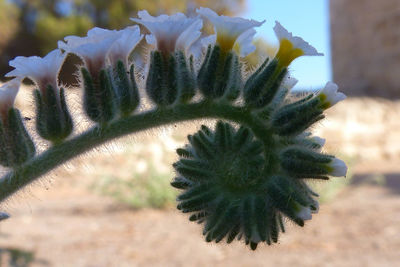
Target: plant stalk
[58,154]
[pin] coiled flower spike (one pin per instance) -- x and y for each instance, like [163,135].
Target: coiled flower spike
[241,180]
[228,185]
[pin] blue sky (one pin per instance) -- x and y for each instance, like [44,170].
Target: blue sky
[308,19]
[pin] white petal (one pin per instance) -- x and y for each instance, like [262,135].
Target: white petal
[143,14]
[93,51]
[8,92]
[209,40]
[124,45]
[245,42]
[100,33]
[228,29]
[189,36]
[151,39]
[231,26]
[93,48]
[94,35]
[175,32]
[296,41]
[198,48]
[40,70]
[339,168]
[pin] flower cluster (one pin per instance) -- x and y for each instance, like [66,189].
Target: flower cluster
[240,181]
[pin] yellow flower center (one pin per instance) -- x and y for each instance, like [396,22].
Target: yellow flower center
[225,41]
[324,103]
[287,53]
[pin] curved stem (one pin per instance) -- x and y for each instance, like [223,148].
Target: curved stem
[60,153]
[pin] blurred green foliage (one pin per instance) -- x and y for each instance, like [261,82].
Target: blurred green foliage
[49,29]
[9,15]
[14,257]
[33,27]
[8,22]
[146,190]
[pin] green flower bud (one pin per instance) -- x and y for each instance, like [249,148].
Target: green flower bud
[161,80]
[53,120]
[220,74]
[262,86]
[126,89]
[302,163]
[185,77]
[16,145]
[99,98]
[294,118]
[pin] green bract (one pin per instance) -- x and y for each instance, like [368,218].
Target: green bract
[230,187]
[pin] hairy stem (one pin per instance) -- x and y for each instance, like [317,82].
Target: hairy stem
[60,153]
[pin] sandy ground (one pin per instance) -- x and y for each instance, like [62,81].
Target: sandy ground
[69,225]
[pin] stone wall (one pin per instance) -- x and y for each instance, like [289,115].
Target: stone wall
[366,46]
[363,128]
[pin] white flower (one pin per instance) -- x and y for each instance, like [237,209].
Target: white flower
[93,48]
[125,41]
[102,47]
[170,33]
[329,96]
[229,29]
[8,92]
[337,168]
[292,47]
[43,71]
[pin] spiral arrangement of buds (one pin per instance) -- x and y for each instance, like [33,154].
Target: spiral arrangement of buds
[242,179]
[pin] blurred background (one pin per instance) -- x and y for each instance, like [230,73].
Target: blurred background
[114,206]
